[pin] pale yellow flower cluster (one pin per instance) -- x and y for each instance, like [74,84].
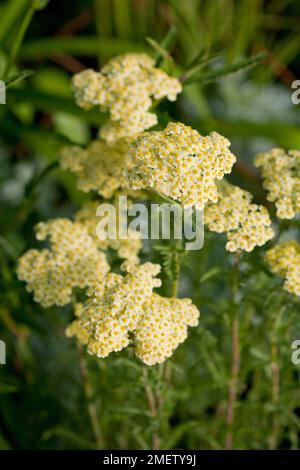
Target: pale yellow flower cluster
[127,248]
[125,87]
[180,163]
[100,167]
[247,225]
[163,327]
[281,174]
[284,259]
[73,260]
[115,307]
[75,328]
[121,310]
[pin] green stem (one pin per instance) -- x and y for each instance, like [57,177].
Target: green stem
[153,408]
[19,38]
[275,378]
[88,390]
[235,359]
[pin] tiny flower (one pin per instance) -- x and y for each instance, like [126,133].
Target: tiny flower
[75,328]
[247,225]
[127,248]
[284,259]
[99,167]
[281,175]
[73,260]
[115,306]
[125,87]
[180,163]
[162,327]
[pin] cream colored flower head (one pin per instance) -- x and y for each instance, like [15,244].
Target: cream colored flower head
[125,87]
[162,327]
[73,260]
[98,168]
[284,259]
[281,175]
[75,328]
[115,306]
[180,163]
[247,225]
[127,247]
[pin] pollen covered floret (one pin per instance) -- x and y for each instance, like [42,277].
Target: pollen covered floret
[125,87]
[73,260]
[180,163]
[75,328]
[284,259]
[163,326]
[127,246]
[281,175]
[99,167]
[247,225]
[115,306]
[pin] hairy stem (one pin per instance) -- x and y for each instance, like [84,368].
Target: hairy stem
[235,359]
[153,407]
[88,391]
[275,377]
[233,384]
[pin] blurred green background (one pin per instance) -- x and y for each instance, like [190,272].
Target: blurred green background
[42,44]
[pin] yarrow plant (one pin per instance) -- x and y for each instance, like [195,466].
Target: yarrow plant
[112,282]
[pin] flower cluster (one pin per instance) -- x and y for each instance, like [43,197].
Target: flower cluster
[121,310]
[247,224]
[284,259]
[73,260]
[180,163]
[75,328]
[127,247]
[99,167]
[163,327]
[115,306]
[281,174]
[125,87]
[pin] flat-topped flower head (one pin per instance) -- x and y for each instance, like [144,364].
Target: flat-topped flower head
[73,260]
[281,175]
[163,326]
[180,163]
[99,167]
[247,225]
[284,259]
[127,247]
[115,306]
[125,87]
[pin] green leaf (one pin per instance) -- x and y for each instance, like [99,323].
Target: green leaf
[49,103]
[88,46]
[17,78]
[161,52]
[167,43]
[198,63]
[242,65]
[40,4]
[10,14]
[72,436]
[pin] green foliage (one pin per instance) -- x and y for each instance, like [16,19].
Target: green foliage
[182,404]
